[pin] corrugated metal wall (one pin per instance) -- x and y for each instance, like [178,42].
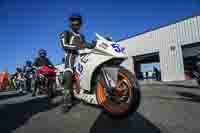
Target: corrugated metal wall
[167,41]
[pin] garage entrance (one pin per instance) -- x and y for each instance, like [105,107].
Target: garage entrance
[190,53]
[147,66]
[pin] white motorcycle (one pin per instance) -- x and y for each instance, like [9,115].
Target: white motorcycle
[102,78]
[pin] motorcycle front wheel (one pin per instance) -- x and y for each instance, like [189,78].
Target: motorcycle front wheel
[51,89]
[124,99]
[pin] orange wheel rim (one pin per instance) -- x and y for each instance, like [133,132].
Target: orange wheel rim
[100,92]
[103,100]
[129,83]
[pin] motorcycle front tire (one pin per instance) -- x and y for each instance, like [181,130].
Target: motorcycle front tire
[134,103]
[50,89]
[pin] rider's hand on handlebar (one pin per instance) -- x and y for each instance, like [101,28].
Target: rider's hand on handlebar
[71,47]
[84,51]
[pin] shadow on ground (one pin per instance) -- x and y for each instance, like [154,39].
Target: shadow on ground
[10,95]
[15,115]
[136,124]
[183,86]
[189,96]
[185,96]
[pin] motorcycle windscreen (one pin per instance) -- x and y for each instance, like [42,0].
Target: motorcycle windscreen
[112,72]
[128,64]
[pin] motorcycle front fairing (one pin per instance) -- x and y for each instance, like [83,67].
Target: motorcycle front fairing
[86,69]
[48,71]
[111,48]
[118,51]
[104,51]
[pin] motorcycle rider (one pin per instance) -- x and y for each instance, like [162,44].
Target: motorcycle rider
[40,61]
[71,40]
[13,81]
[28,65]
[18,76]
[28,70]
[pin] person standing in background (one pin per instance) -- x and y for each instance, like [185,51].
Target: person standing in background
[147,75]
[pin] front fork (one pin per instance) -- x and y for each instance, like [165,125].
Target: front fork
[109,83]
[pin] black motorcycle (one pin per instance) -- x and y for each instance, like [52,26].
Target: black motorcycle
[29,77]
[29,81]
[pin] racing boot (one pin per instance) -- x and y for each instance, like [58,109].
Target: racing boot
[34,91]
[67,101]
[67,79]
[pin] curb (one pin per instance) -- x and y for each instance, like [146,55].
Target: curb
[184,83]
[188,85]
[185,86]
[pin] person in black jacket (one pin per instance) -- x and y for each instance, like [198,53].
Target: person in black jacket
[71,40]
[40,61]
[28,71]
[19,75]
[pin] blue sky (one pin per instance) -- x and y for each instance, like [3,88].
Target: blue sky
[27,25]
[149,67]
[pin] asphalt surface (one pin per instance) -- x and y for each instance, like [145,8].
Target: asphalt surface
[164,109]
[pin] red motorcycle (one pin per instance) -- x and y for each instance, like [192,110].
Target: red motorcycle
[46,80]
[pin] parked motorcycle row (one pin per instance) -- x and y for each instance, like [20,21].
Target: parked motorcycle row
[33,80]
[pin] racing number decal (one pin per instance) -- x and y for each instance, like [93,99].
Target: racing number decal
[84,58]
[80,68]
[118,48]
[123,50]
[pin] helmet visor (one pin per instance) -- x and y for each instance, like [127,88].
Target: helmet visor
[42,53]
[76,22]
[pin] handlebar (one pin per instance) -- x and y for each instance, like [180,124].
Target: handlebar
[85,51]
[71,47]
[51,66]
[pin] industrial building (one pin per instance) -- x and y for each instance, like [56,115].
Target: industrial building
[174,46]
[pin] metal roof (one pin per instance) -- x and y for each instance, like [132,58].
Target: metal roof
[161,26]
